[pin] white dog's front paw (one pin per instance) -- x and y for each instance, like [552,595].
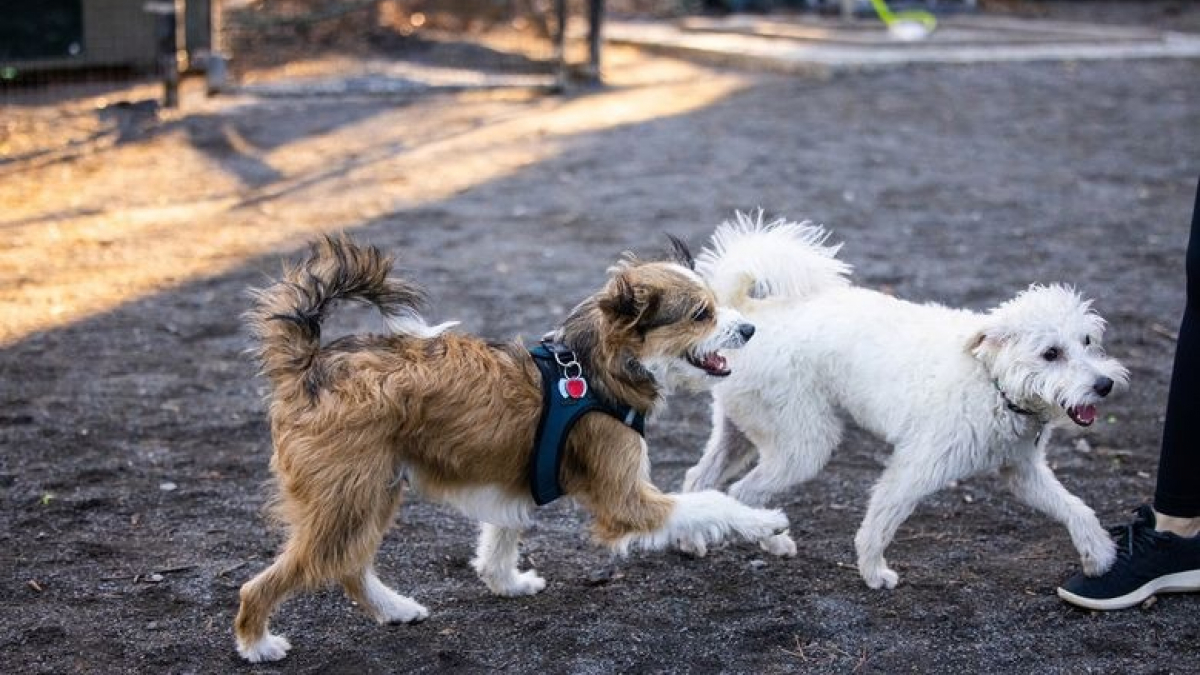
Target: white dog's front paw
[879,575]
[268,648]
[1098,557]
[780,545]
[516,585]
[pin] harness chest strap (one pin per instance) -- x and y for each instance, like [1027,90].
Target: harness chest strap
[562,407]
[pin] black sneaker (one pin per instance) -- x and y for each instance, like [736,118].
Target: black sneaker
[1148,562]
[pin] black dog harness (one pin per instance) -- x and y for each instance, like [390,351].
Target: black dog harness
[566,397]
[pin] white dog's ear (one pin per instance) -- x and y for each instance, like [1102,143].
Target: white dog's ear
[985,342]
[976,343]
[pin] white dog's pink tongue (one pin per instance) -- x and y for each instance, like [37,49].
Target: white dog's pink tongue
[1086,414]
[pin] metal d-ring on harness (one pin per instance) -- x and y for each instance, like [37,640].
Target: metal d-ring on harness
[566,397]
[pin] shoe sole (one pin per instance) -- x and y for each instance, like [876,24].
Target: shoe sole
[1180,582]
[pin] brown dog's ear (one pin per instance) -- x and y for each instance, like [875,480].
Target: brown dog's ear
[680,253]
[618,302]
[625,302]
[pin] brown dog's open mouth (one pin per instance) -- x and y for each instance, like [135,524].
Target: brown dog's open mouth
[1083,415]
[711,363]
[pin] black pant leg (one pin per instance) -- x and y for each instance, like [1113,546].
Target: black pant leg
[1178,487]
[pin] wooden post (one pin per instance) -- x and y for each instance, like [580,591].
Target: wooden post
[560,45]
[167,32]
[216,73]
[595,38]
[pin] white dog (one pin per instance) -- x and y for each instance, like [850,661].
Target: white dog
[955,392]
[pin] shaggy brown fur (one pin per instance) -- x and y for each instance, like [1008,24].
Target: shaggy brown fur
[449,412]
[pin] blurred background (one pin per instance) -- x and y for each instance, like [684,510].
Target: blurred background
[232,42]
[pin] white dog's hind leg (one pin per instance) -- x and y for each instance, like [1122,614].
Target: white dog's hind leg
[782,465]
[496,562]
[764,481]
[893,499]
[725,455]
[1032,481]
[791,450]
[381,602]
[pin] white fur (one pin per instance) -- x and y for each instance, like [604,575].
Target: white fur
[485,503]
[502,518]
[751,268]
[388,606]
[496,563]
[412,324]
[925,378]
[270,647]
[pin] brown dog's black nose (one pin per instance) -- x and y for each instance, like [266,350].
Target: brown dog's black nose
[1103,386]
[746,330]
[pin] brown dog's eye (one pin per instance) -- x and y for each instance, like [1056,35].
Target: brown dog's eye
[1051,354]
[702,314]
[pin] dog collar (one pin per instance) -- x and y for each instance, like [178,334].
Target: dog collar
[1008,401]
[566,397]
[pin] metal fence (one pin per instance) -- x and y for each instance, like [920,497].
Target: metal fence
[55,48]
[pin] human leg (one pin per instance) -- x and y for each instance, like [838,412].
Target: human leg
[1177,491]
[1159,552]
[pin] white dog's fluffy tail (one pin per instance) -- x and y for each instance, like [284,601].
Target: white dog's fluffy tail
[752,260]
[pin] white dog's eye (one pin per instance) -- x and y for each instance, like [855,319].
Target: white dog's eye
[1087,340]
[1051,354]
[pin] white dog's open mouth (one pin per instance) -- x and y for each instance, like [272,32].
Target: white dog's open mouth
[1083,415]
[712,363]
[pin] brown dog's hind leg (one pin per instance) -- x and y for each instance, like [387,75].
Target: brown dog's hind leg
[336,532]
[360,581]
[260,596]
[381,602]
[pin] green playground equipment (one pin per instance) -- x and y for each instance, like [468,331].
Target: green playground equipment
[912,24]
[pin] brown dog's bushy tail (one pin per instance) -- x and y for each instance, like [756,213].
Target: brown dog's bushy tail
[286,316]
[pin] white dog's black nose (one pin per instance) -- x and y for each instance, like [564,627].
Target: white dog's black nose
[1103,386]
[746,330]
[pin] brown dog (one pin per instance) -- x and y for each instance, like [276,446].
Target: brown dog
[456,417]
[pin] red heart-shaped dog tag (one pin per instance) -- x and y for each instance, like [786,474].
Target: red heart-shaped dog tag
[574,387]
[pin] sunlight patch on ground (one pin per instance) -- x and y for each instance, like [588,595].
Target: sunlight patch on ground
[87,234]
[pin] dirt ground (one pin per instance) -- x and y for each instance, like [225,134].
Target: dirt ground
[134,444]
